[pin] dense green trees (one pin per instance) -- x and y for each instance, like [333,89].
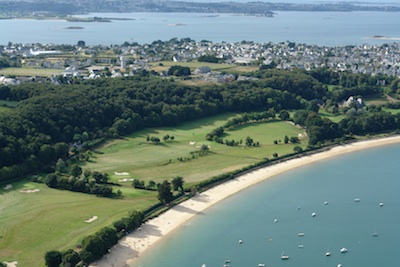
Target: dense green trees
[208,58]
[179,71]
[91,182]
[53,258]
[98,244]
[70,258]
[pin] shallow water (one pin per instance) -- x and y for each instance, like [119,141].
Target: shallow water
[370,175]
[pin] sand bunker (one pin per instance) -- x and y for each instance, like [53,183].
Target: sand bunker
[7,187]
[192,143]
[121,173]
[29,191]
[11,263]
[91,219]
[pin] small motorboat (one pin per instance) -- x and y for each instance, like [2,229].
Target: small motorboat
[328,253]
[284,257]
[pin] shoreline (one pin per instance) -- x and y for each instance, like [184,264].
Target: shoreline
[135,244]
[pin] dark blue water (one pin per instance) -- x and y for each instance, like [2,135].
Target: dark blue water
[370,175]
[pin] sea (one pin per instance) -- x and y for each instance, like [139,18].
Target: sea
[355,200]
[317,28]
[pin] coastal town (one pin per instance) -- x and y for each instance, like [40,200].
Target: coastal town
[93,61]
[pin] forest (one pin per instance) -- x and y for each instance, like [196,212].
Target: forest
[52,122]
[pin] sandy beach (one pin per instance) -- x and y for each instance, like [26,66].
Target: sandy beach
[133,245]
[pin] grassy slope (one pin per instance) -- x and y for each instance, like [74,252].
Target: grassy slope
[147,161]
[31,224]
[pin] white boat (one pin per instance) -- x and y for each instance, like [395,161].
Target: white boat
[343,250]
[240,241]
[381,204]
[261,265]
[300,246]
[313,214]
[227,261]
[284,257]
[203,265]
[326,203]
[339,265]
[276,220]
[357,200]
[328,253]
[375,234]
[300,234]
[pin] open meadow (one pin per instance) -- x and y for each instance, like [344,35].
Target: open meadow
[43,219]
[147,161]
[27,71]
[165,65]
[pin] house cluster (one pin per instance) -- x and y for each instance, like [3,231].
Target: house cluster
[90,62]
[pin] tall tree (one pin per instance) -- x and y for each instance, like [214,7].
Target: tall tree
[164,192]
[177,183]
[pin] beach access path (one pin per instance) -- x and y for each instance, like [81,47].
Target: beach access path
[133,245]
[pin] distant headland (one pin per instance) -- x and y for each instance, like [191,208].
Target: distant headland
[57,8]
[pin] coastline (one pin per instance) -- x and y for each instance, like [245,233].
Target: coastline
[133,245]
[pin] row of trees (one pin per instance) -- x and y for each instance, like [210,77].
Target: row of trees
[90,182]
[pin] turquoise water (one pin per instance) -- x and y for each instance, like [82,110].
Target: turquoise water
[320,28]
[370,175]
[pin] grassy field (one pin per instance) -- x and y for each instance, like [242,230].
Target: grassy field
[195,64]
[332,117]
[7,105]
[33,223]
[29,72]
[146,161]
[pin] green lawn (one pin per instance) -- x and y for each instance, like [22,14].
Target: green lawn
[195,64]
[29,72]
[335,118]
[391,110]
[33,223]
[7,105]
[147,161]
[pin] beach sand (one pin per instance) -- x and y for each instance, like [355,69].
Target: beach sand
[133,245]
